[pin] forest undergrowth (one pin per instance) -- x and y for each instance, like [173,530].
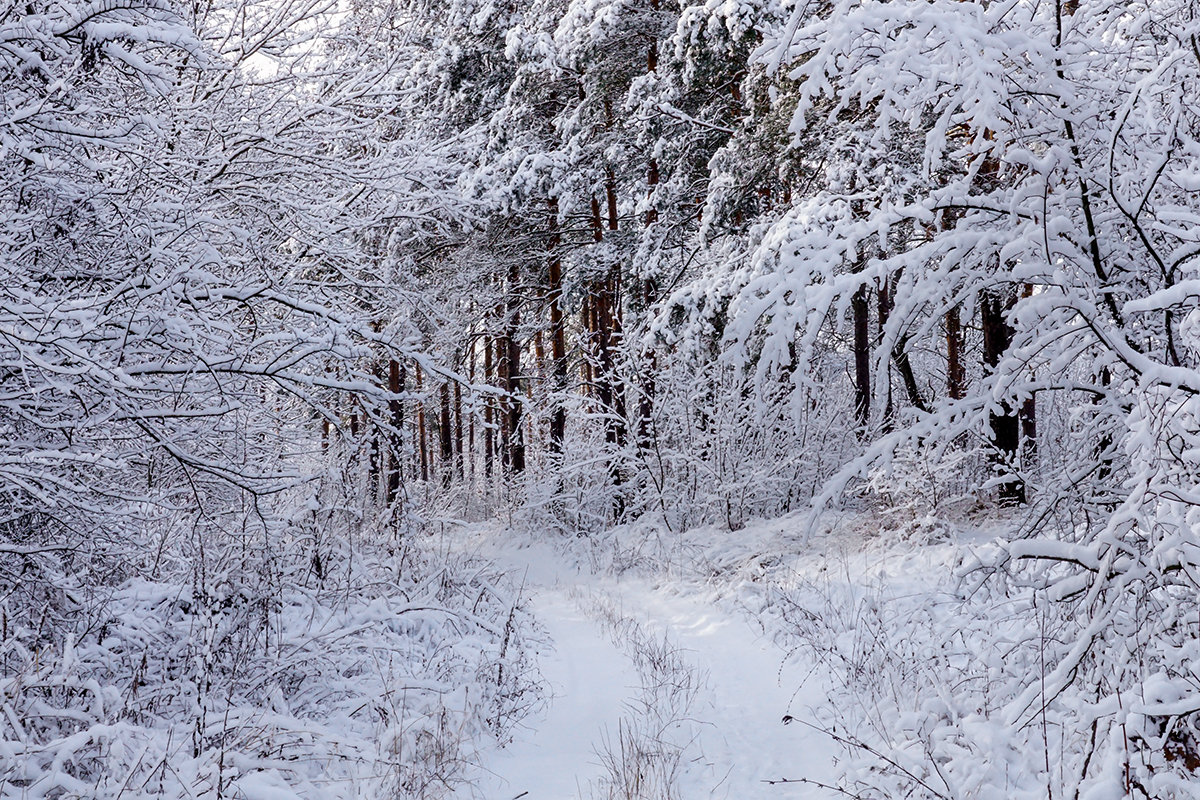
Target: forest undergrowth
[310,657]
[948,669]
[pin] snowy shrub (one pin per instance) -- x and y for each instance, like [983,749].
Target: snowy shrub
[919,492]
[377,674]
[1021,677]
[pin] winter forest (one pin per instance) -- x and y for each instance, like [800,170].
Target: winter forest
[599,399]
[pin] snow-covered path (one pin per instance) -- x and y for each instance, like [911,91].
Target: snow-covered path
[589,683]
[733,739]
[751,687]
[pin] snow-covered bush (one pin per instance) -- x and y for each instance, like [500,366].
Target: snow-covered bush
[255,670]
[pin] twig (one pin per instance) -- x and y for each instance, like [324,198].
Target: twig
[811,782]
[864,746]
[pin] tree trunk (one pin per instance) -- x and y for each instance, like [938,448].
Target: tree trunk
[512,385]
[422,443]
[503,379]
[883,310]
[602,328]
[607,336]
[604,354]
[585,344]
[458,425]
[645,430]
[955,377]
[615,338]
[862,357]
[539,358]
[396,378]
[489,427]
[652,178]
[900,358]
[558,343]
[861,318]
[1103,453]
[445,437]
[375,471]
[1006,434]
[470,454]
[899,355]
[997,338]
[1028,415]
[610,194]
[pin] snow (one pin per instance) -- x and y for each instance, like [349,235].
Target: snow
[226,234]
[753,689]
[735,738]
[589,682]
[376,680]
[266,785]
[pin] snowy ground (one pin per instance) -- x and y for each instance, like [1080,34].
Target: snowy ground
[738,731]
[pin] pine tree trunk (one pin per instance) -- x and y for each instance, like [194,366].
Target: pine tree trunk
[422,442]
[602,328]
[610,190]
[558,344]
[1006,434]
[1028,416]
[610,194]
[645,428]
[1103,453]
[861,319]
[470,465]
[604,355]
[445,437]
[458,424]
[503,380]
[585,344]
[904,366]
[617,333]
[899,355]
[955,377]
[489,426]
[539,359]
[395,438]
[516,441]
[607,336]
[862,357]
[375,471]
[883,310]
[645,432]
[652,179]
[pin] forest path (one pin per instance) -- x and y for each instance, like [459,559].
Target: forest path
[650,681]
